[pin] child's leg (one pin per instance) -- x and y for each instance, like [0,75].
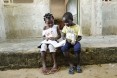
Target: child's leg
[43,55]
[54,59]
[43,58]
[77,50]
[78,58]
[53,53]
[65,49]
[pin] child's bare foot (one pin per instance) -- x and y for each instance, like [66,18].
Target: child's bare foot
[45,71]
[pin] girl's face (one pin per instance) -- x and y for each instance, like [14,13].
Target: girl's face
[67,22]
[49,22]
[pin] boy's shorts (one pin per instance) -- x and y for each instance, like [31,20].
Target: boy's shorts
[44,47]
[67,46]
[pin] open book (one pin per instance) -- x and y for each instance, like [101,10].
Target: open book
[54,43]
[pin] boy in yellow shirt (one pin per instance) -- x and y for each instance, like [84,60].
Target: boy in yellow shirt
[72,33]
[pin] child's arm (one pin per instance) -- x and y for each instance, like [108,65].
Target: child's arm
[43,33]
[79,34]
[59,34]
[63,35]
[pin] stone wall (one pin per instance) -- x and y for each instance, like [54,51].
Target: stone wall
[89,56]
[2,28]
[25,20]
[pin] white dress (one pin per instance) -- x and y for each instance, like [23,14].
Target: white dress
[51,32]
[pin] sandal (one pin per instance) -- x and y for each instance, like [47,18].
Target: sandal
[78,69]
[71,70]
[45,72]
[53,70]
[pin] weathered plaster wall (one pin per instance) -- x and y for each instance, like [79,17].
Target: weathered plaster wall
[2,28]
[25,20]
[85,16]
[109,16]
[91,17]
[96,18]
[57,8]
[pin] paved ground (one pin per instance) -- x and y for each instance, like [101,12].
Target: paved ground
[89,71]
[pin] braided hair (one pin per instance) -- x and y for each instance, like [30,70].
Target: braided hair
[48,16]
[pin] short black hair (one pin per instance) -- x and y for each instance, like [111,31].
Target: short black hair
[48,16]
[68,15]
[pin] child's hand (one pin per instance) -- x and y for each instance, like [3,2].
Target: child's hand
[46,38]
[73,42]
[68,40]
[52,38]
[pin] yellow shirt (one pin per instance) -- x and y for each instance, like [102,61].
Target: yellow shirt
[76,29]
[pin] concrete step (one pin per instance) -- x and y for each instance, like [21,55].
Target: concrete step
[23,53]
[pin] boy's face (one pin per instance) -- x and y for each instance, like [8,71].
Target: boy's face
[49,22]
[67,22]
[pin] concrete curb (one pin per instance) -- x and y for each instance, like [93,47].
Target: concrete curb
[16,60]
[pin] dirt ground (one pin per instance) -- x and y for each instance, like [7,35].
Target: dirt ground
[89,71]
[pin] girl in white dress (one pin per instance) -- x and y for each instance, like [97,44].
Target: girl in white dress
[50,34]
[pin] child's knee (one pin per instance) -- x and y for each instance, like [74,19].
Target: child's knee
[64,49]
[77,47]
[43,47]
[52,48]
